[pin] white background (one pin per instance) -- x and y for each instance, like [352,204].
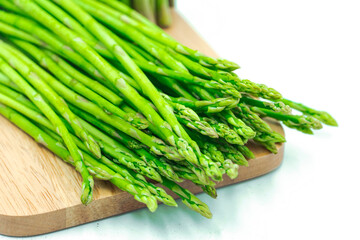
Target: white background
[310,51]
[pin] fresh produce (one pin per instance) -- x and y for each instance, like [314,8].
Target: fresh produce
[111,93]
[157,11]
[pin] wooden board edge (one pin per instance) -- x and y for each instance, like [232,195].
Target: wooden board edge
[31,225]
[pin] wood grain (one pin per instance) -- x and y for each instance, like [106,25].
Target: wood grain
[39,193]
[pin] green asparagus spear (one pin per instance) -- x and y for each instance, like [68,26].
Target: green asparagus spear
[145,8]
[159,35]
[4,80]
[305,122]
[36,77]
[47,63]
[14,32]
[106,69]
[324,117]
[163,13]
[99,170]
[37,99]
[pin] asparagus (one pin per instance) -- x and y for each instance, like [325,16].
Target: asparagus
[206,106]
[274,106]
[163,168]
[224,131]
[99,170]
[252,119]
[187,78]
[5,81]
[72,24]
[238,125]
[156,33]
[200,126]
[231,152]
[158,192]
[245,151]
[145,8]
[191,174]
[113,149]
[126,9]
[211,150]
[99,113]
[93,85]
[296,121]
[17,96]
[322,116]
[190,119]
[193,96]
[36,77]
[37,99]
[14,32]
[49,64]
[188,198]
[66,19]
[54,43]
[9,6]
[122,155]
[163,13]
[108,71]
[147,87]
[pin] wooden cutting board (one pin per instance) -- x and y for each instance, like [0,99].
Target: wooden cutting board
[39,193]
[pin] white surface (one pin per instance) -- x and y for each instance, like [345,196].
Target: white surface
[310,51]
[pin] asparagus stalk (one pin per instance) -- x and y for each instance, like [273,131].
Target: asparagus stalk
[164,169]
[103,91]
[125,9]
[302,122]
[224,131]
[158,192]
[188,198]
[245,151]
[37,99]
[200,126]
[10,7]
[231,152]
[206,106]
[54,43]
[112,148]
[65,18]
[90,83]
[150,90]
[163,13]
[47,63]
[14,32]
[99,113]
[146,8]
[118,135]
[229,166]
[108,71]
[156,33]
[99,170]
[4,80]
[239,126]
[274,106]
[252,119]
[17,96]
[322,116]
[35,76]
[187,78]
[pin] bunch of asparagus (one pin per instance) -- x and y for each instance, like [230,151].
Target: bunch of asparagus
[157,11]
[112,94]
